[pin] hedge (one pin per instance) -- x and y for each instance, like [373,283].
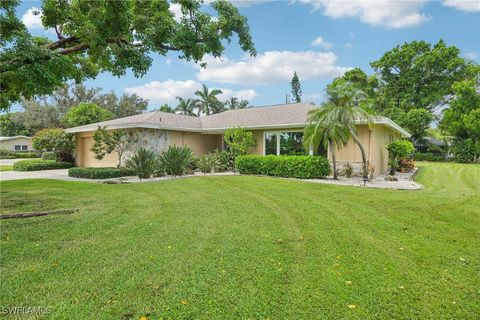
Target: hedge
[49,155]
[302,167]
[428,157]
[100,173]
[33,165]
[5,154]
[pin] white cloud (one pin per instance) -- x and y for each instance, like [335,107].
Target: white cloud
[320,42]
[388,13]
[31,20]
[167,91]
[271,67]
[464,5]
[168,61]
[176,9]
[348,46]
[249,94]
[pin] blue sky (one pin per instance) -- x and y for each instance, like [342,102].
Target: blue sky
[319,39]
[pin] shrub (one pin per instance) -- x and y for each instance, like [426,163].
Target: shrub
[463,150]
[177,160]
[33,165]
[393,164]
[144,162]
[400,148]
[405,164]
[49,155]
[223,162]
[53,139]
[347,170]
[206,163]
[25,155]
[428,157]
[302,167]
[239,141]
[7,154]
[100,173]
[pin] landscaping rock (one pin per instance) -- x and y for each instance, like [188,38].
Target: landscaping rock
[391,178]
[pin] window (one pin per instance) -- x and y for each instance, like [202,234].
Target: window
[18,147]
[284,143]
[24,148]
[270,143]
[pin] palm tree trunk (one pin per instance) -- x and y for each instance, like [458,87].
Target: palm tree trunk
[334,161]
[362,150]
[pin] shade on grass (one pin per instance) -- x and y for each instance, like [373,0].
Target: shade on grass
[246,247]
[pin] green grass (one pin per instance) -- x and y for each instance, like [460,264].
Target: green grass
[6,167]
[246,247]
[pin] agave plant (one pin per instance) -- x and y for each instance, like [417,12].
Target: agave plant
[144,162]
[176,160]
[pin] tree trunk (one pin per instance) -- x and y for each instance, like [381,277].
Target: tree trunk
[334,161]
[362,150]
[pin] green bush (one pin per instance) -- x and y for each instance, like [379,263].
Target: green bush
[7,154]
[223,161]
[206,163]
[100,173]
[25,155]
[400,148]
[463,150]
[302,167]
[144,162]
[49,155]
[177,160]
[33,165]
[428,157]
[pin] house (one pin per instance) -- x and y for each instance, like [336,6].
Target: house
[16,143]
[278,130]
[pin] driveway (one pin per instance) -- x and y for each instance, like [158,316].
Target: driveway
[12,161]
[59,174]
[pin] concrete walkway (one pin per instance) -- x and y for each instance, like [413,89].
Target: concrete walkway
[12,161]
[59,174]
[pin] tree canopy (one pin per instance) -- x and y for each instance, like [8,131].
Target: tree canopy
[86,113]
[113,36]
[296,88]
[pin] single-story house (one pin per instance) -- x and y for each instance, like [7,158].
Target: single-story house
[16,143]
[278,130]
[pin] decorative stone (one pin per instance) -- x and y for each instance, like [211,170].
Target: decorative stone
[391,178]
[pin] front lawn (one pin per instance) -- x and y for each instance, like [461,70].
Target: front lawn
[242,247]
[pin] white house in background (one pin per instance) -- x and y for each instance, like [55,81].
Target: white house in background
[16,143]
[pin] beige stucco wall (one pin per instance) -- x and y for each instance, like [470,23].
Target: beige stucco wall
[199,143]
[86,158]
[11,143]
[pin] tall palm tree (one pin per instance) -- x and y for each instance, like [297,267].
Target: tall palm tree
[232,103]
[243,104]
[186,106]
[208,101]
[323,128]
[344,108]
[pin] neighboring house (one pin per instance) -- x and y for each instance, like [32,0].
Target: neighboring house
[430,144]
[16,143]
[277,129]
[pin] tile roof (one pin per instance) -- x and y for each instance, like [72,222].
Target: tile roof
[292,115]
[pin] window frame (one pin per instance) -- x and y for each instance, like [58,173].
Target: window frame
[277,134]
[24,147]
[19,147]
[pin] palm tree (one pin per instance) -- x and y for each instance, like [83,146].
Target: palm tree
[186,107]
[232,103]
[323,128]
[208,101]
[243,104]
[343,108]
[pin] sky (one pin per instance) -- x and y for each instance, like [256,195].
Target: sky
[319,39]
